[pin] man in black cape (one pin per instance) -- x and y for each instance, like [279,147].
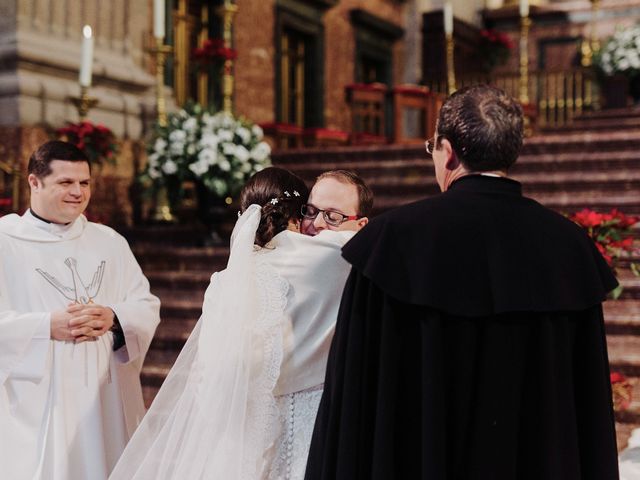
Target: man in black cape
[470,341]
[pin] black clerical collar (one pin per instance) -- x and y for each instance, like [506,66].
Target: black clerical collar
[45,220]
[487,183]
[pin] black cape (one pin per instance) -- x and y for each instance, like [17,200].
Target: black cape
[469,344]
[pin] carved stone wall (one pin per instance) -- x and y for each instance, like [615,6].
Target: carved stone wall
[40,43]
[40,52]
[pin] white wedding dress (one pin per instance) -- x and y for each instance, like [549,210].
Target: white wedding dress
[240,401]
[630,458]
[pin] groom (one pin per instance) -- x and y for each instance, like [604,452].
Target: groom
[339,200]
[470,340]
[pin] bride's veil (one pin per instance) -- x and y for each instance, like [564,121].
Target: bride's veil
[215,415]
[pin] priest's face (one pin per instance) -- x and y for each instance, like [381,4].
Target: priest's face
[63,195]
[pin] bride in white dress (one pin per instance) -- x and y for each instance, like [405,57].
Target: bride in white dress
[241,400]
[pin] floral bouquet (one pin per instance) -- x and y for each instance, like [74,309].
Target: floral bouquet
[218,151]
[95,140]
[495,48]
[611,234]
[620,53]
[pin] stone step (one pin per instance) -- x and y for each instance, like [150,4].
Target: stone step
[168,234]
[575,143]
[582,141]
[624,354]
[180,304]
[595,123]
[177,259]
[178,281]
[610,113]
[418,164]
[622,317]
[590,183]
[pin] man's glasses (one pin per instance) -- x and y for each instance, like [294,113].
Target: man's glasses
[333,218]
[430,145]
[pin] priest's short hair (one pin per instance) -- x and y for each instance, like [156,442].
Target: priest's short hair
[40,160]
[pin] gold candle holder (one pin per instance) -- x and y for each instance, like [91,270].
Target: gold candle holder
[227,11]
[590,44]
[161,52]
[525,25]
[84,102]
[451,71]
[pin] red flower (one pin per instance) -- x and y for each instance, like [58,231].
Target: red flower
[97,141]
[625,244]
[617,377]
[213,49]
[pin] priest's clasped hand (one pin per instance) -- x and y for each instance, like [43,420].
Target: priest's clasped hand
[81,322]
[89,321]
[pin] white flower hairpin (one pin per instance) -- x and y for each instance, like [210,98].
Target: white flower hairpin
[273,201]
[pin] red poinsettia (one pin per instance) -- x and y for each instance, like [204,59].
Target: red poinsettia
[611,234]
[610,231]
[213,49]
[96,141]
[622,390]
[495,48]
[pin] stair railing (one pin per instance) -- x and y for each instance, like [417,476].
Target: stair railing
[560,96]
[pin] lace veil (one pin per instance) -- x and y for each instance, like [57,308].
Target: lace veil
[215,416]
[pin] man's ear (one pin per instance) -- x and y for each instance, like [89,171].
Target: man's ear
[452,159]
[34,182]
[362,222]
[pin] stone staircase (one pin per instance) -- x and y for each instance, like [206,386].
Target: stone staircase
[592,164]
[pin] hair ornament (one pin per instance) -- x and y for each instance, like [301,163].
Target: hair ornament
[295,193]
[273,201]
[287,194]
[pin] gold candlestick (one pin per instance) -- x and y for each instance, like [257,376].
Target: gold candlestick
[227,11]
[590,44]
[525,24]
[451,71]
[161,51]
[84,102]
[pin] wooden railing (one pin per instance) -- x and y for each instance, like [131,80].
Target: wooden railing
[558,96]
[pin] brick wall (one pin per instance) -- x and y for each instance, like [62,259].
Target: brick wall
[255,76]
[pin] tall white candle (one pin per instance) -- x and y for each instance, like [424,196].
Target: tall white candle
[86,58]
[448,18]
[158,18]
[524,8]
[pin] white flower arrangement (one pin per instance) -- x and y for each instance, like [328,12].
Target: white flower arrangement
[216,149]
[621,52]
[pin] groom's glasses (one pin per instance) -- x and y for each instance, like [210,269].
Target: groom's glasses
[333,218]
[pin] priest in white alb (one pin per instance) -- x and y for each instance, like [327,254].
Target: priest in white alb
[76,320]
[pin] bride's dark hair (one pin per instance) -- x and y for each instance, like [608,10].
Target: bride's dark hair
[281,194]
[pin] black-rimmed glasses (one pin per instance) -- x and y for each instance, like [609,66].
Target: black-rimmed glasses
[333,218]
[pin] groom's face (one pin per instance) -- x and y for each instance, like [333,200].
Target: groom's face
[331,194]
